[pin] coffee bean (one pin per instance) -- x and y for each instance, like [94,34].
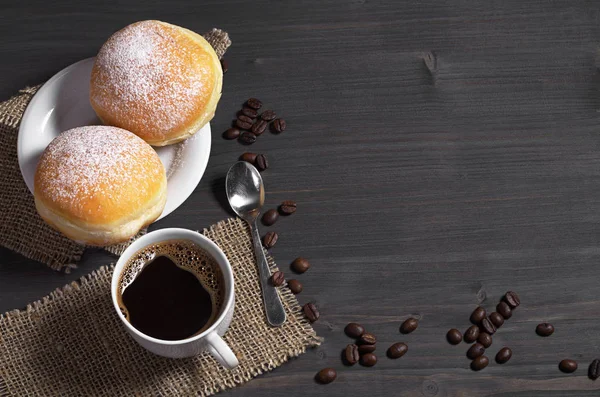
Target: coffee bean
[261,163]
[270,217]
[254,103]
[259,127]
[368,360]
[364,349]
[231,133]
[477,315]
[487,326]
[409,325]
[277,279]
[354,330]
[247,138]
[311,312]
[224,66]
[288,207]
[270,239]
[594,370]
[496,319]
[245,119]
[568,366]
[268,115]
[480,363]
[504,310]
[279,125]
[454,336]
[485,339]
[248,157]
[295,286]
[475,351]
[397,350]
[512,299]
[300,265]
[472,334]
[246,111]
[367,339]
[503,355]
[544,329]
[326,375]
[351,354]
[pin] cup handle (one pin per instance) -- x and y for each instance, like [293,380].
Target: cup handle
[220,351]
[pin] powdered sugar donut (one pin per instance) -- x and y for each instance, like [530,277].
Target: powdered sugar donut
[99,185]
[157,80]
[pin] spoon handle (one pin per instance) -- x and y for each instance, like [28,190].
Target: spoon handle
[273,306]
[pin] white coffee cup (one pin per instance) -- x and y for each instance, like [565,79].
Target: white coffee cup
[210,340]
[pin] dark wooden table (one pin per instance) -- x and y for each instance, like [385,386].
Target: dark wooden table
[441,153]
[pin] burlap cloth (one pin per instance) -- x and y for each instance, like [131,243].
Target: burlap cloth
[21,228]
[72,343]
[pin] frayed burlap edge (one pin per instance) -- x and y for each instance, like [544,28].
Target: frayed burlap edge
[21,228]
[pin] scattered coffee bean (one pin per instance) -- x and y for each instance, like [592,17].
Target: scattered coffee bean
[512,299]
[270,239]
[487,326]
[247,138]
[594,370]
[270,217]
[261,163]
[503,355]
[300,265]
[397,350]
[480,363]
[254,103]
[268,115]
[504,310]
[409,325]
[248,157]
[544,329]
[368,360]
[295,286]
[326,375]
[367,338]
[244,118]
[246,111]
[475,351]
[485,339]
[242,124]
[568,366]
[259,127]
[279,125]
[477,315]
[472,334]
[354,330]
[351,354]
[277,279]
[224,65]
[231,133]
[311,312]
[496,319]
[454,336]
[364,349]
[288,207]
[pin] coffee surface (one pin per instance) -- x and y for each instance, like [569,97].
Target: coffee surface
[171,290]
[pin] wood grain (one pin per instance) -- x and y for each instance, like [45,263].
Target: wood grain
[440,153]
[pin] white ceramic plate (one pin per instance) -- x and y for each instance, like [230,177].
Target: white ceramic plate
[63,103]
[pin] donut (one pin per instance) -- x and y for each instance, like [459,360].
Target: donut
[160,81]
[99,185]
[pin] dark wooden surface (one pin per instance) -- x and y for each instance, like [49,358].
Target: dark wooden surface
[441,153]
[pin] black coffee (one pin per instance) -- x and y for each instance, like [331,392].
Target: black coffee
[172,290]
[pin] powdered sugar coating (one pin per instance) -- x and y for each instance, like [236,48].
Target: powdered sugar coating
[146,81]
[98,174]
